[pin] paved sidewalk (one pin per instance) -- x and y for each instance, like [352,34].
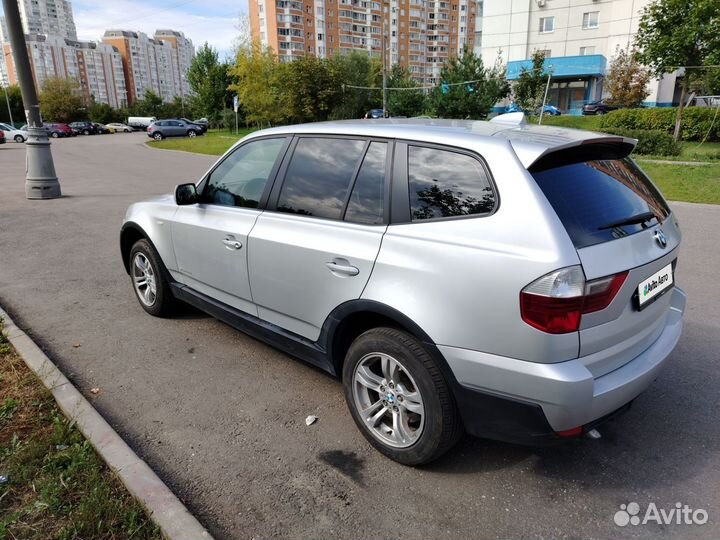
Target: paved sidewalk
[220,417]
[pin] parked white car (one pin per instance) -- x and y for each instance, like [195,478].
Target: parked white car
[120,128]
[17,135]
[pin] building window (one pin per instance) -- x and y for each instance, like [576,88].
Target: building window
[591,20]
[584,51]
[547,25]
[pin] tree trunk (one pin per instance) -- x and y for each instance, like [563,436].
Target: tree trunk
[683,97]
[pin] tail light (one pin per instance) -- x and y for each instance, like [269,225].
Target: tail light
[556,302]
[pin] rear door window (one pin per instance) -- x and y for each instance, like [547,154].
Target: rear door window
[367,198]
[602,200]
[445,184]
[319,175]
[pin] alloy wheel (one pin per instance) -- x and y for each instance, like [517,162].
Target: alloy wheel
[388,400]
[144,279]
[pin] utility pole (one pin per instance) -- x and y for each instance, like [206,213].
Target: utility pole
[547,88]
[384,68]
[41,182]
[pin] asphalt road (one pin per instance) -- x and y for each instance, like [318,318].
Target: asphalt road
[220,416]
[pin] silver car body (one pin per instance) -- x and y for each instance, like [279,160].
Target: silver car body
[458,280]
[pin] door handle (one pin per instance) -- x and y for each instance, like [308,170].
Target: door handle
[342,267]
[231,243]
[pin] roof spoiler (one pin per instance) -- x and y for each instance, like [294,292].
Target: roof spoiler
[510,119]
[612,147]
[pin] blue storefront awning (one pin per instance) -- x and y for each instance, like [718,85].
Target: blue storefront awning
[592,65]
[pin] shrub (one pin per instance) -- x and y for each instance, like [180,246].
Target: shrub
[653,142]
[696,122]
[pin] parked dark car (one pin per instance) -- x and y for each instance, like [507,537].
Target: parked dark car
[101,129]
[160,129]
[203,127]
[59,130]
[375,113]
[597,107]
[83,128]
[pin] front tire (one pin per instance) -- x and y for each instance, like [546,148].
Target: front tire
[149,283]
[54,134]
[398,397]
[191,133]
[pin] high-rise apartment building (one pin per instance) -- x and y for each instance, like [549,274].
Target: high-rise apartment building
[159,64]
[182,55]
[96,66]
[53,17]
[579,38]
[418,34]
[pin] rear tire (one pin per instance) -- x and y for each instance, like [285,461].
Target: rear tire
[389,370]
[158,136]
[19,139]
[147,275]
[85,132]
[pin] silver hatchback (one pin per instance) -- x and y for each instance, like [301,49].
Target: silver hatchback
[508,281]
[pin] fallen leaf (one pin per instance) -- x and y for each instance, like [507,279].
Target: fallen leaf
[76,345]
[310,420]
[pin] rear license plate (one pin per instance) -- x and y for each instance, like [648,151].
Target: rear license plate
[654,286]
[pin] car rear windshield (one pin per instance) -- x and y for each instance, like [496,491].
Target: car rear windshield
[602,200]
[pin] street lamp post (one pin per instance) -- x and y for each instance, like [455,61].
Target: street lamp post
[41,182]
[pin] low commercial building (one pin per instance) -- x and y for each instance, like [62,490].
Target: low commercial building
[579,38]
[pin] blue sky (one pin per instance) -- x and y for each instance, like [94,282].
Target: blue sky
[214,21]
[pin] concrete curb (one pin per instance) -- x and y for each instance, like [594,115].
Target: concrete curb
[164,508]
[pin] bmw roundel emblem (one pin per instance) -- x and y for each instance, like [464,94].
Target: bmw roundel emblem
[660,238]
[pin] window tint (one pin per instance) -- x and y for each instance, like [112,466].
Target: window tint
[319,176]
[446,184]
[368,194]
[240,179]
[591,197]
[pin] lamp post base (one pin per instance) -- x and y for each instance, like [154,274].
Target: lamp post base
[41,182]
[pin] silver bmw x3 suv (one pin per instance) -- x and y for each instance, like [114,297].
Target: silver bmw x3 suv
[509,281]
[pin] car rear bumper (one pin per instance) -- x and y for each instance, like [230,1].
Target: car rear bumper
[566,393]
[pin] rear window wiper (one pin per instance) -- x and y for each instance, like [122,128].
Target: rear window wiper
[638,219]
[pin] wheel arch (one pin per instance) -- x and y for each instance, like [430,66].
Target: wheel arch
[130,233]
[349,320]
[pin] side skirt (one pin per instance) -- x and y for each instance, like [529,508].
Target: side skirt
[271,334]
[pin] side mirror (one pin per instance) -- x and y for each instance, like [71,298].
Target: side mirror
[186,194]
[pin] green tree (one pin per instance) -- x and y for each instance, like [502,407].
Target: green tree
[409,102]
[209,80]
[103,113]
[61,100]
[150,105]
[627,80]
[260,86]
[529,90]
[457,97]
[356,69]
[312,89]
[675,33]
[16,105]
